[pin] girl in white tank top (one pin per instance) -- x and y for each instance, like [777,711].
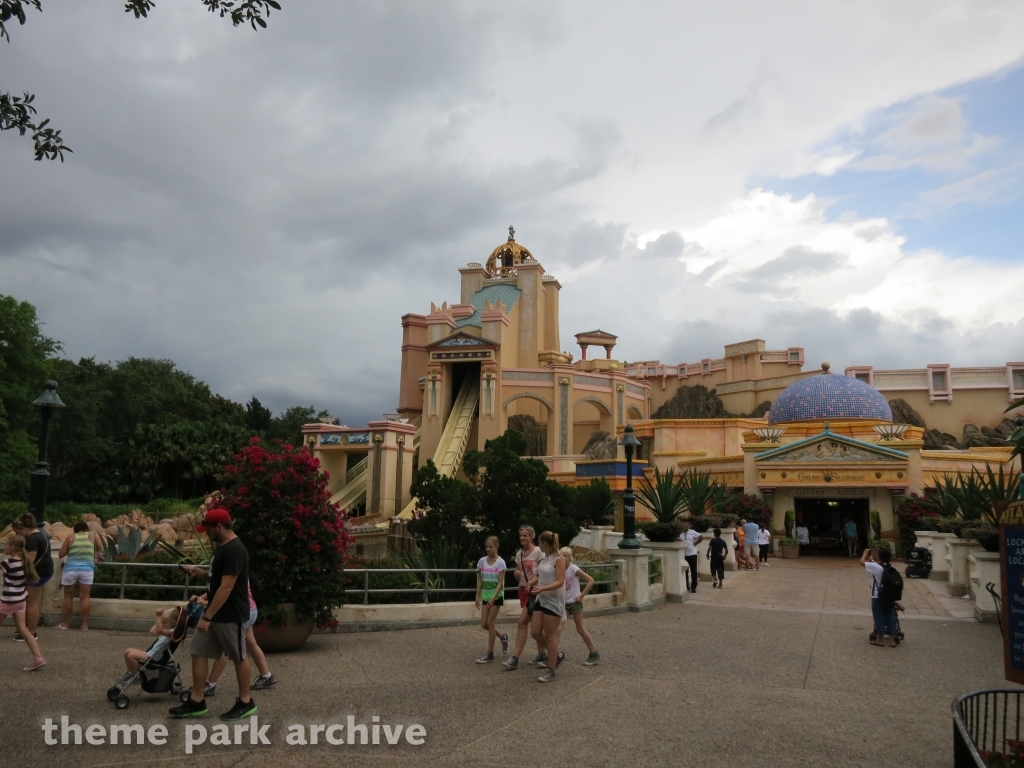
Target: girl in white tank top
[549,593]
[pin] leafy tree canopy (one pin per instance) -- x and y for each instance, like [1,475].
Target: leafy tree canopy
[503,492]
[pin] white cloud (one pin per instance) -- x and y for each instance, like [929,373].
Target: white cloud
[264,207]
[781,248]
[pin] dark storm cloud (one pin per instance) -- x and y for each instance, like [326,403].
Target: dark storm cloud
[794,263]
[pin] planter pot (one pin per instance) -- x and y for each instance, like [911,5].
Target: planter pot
[790,551]
[290,636]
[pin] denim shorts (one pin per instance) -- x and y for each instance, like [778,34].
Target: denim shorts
[252,618]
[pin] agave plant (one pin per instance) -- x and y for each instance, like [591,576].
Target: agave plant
[445,553]
[974,496]
[664,497]
[702,495]
[130,544]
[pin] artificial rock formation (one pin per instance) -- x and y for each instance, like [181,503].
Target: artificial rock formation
[904,413]
[936,440]
[695,402]
[536,435]
[698,402]
[601,445]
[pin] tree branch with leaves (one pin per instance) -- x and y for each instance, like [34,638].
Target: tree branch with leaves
[17,113]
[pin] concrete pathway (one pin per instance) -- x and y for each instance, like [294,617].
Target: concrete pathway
[710,682]
[830,585]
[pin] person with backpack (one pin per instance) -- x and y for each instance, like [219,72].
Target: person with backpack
[886,590]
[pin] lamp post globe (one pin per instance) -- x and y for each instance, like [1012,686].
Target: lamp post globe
[47,403]
[629,540]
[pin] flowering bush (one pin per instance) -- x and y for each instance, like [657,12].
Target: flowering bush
[750,507]
[295,536]
[915,515]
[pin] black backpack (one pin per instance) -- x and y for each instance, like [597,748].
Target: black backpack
[891,588]
[258,597]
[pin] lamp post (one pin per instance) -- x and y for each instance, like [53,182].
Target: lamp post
[46,403]
[630,443]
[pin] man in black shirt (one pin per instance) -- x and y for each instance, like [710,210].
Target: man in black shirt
[220,631]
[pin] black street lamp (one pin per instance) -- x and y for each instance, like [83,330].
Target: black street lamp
[46,403]
[629,442]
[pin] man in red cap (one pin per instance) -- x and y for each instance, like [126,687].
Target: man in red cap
[221,631]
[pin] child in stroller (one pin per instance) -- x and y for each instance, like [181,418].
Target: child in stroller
[155,668]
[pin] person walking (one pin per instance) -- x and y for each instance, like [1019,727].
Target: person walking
[750,531]
[549,614]
[526,560]
[37,545]
[490,592]
[850,530]
[219,632]
[764,543]
[574,601]
[717,550]
[692,539]
[741,545]
[265,678]
[883,612]
[79,568]
[19,570]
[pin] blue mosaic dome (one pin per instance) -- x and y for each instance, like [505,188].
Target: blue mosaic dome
[829,396]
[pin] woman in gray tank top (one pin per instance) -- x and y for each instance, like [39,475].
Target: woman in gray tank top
[549,614]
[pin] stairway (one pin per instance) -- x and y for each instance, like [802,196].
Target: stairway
[455,438]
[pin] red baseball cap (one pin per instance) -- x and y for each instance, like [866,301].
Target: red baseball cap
[213,517]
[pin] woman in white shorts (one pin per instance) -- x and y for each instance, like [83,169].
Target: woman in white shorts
[81,554]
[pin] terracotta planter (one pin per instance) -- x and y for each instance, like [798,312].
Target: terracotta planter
[291,636]
[790,551]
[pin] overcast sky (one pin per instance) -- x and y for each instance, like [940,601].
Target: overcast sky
[263,207]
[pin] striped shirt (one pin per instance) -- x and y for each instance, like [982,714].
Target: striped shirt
[81,554]
[14,581]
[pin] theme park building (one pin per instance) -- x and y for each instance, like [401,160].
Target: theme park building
[828,446]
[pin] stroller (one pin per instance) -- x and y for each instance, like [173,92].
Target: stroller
[919,563]
[160,674]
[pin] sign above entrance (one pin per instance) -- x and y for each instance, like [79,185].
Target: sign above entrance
[831,493]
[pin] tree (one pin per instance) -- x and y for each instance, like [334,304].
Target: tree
[25,363]
[512,491]
[256,416]
[296,537]
[18,112]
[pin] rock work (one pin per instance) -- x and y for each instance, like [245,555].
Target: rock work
[904,413]
[601,445]
[536,435]
[698,402]
[936,440]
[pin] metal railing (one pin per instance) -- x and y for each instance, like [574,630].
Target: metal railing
[186,589]
[425,587]
[357,470]
[984,723]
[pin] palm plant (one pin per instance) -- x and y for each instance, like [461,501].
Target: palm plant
[664,497]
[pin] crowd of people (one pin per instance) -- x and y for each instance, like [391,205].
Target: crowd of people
[224,632]
[549,592]
[551,588]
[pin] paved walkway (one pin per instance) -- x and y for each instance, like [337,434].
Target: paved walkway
[830,585]
[676,686]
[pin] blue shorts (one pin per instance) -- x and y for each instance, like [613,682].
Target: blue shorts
[41,582]
[252,619]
